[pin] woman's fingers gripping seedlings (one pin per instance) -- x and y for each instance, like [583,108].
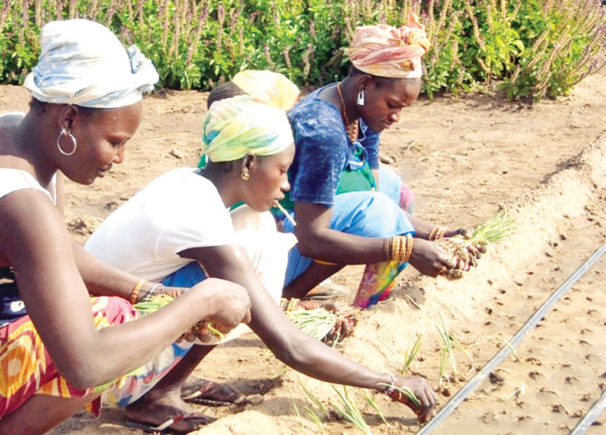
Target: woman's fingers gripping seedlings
[416,393]
[429,258]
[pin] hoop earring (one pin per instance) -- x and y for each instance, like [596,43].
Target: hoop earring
[65,132]
[361,98]
[245,175]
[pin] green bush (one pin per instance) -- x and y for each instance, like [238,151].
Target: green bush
[531,48]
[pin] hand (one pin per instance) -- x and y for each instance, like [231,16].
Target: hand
[208,331]
[430,259]
[421,389]
[229,301]
[344,325]
[475,251]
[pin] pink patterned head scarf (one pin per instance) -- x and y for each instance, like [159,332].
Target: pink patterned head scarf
[387,51]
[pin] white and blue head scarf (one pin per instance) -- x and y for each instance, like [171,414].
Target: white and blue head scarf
[83,63]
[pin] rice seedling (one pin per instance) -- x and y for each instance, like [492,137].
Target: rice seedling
[312,414]
[349,410]
[449,342]
[411,354]
[406,392]
[496,229]
[511,348]
[316,419]
[315,400]
[155,302]
[317,322]
[368,398]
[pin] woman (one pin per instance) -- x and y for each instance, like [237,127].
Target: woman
[86,105]
[178,229]
[348,209]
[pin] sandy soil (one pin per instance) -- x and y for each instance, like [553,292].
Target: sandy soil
[465,158]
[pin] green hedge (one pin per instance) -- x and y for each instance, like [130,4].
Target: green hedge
[531,48]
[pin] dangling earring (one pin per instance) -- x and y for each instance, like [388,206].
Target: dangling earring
[245,175]
[67,133]
[361,98]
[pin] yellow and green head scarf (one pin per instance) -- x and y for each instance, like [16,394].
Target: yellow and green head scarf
[268,87]
[238,126]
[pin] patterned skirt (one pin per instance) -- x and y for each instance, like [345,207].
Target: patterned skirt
[27,369]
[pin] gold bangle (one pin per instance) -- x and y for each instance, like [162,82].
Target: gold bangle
[402,248]
[395,247]
[135,291]
[386,245]
[409,243]
[324,263]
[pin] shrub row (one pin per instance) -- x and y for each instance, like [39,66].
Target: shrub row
[530,48]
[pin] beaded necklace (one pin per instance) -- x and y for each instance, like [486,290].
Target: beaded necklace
[352,129]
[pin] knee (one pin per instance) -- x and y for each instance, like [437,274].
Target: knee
[375,216]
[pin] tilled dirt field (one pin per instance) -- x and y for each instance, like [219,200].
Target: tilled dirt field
[465,158]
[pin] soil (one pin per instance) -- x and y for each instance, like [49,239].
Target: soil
[465,158]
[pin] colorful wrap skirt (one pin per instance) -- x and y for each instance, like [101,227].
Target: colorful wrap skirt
[366,213]
[26,367]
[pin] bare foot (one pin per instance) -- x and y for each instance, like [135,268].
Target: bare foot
[154,410]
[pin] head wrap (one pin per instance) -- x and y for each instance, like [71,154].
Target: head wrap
[268,88]
[83,63]
[238,126]
[387,51]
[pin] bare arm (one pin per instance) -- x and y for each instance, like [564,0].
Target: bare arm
[287,342]
[102,279]
[318,241]
[291,346]
[36,244]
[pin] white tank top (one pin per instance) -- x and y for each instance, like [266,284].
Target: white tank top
[12,180]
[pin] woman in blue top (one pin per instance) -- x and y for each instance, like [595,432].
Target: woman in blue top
[348,209]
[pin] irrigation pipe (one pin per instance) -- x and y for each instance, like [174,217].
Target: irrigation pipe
[591,415]
[506,350]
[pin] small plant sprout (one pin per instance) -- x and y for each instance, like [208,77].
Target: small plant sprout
[411,354]
[368,398]
[407,392]
[449,342]
[349,410]
[317,322]
[511,348]
[315,400]
[496,229]
[155,302]
[314,417]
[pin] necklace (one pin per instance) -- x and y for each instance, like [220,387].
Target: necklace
[352,129]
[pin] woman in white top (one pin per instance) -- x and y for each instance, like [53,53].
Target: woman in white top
[182,218]
[87,92]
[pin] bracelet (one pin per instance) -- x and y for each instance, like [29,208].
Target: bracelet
[401,250]
[392,387]
[135,291]
[325,263]
[387,243]
[409,244]
[149,293]
[436,233]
